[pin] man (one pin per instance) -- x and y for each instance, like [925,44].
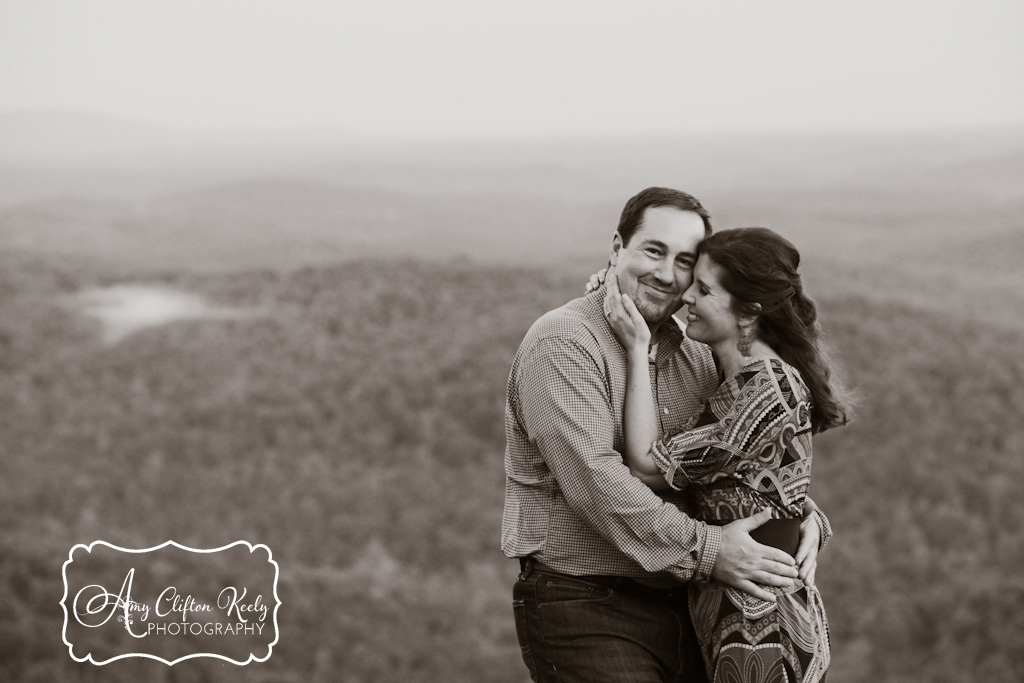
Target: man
[602,595]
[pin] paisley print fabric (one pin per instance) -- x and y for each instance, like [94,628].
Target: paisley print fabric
[750,449]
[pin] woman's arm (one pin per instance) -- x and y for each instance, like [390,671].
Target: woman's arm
[640,420]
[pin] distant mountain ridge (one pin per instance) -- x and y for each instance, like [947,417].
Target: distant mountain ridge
[60,136]
[52,135]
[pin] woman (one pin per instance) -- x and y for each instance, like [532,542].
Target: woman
[750,449]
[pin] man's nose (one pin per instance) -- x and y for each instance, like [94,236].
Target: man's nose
[666,272]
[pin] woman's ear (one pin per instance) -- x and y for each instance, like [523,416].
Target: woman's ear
[750,314]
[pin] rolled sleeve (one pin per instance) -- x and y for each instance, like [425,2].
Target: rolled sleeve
[712,546]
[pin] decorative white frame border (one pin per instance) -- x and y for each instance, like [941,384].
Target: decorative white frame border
[88,548]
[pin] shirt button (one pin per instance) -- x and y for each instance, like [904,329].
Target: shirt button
[666,411]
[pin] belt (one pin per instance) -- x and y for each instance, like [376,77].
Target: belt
[783,534]
[623,584]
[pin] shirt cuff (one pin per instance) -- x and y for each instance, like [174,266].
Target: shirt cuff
[712,545]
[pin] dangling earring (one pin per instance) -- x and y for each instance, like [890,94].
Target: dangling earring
[744,343]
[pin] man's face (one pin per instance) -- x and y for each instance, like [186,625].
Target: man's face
[656,267]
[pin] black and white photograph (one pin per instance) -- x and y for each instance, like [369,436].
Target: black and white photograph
[560,342]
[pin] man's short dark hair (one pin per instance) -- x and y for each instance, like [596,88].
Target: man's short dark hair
[633,212]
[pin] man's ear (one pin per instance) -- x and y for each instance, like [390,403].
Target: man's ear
[616,247]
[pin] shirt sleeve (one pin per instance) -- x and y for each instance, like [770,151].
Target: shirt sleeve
[566,410]
[826,529]
[697,455]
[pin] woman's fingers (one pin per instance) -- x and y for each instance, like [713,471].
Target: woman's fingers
[618,303]
[596,280]
[810,535]
[631,310]
[809,579]
[611,280]
[613,300]
[613,305]
[807,569]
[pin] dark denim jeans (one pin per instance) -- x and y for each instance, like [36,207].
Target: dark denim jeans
[572,630]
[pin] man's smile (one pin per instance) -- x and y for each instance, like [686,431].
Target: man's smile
[661,290]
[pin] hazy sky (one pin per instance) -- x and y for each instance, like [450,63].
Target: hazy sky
[466,67]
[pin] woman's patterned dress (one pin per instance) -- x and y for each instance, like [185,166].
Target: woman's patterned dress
[750,449]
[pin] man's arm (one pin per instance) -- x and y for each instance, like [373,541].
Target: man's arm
[567,412]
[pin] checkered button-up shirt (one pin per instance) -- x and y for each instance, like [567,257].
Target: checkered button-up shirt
[570,502]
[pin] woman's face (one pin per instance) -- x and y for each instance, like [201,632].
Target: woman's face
[710,316]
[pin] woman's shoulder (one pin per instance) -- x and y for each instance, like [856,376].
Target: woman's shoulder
[782,376]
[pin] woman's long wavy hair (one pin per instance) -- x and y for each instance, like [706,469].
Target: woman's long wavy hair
[759,266]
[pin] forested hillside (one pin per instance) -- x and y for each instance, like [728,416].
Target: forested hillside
[342,402]
[353,423]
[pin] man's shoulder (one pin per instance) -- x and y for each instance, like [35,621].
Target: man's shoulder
[567,319]
[578,323]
